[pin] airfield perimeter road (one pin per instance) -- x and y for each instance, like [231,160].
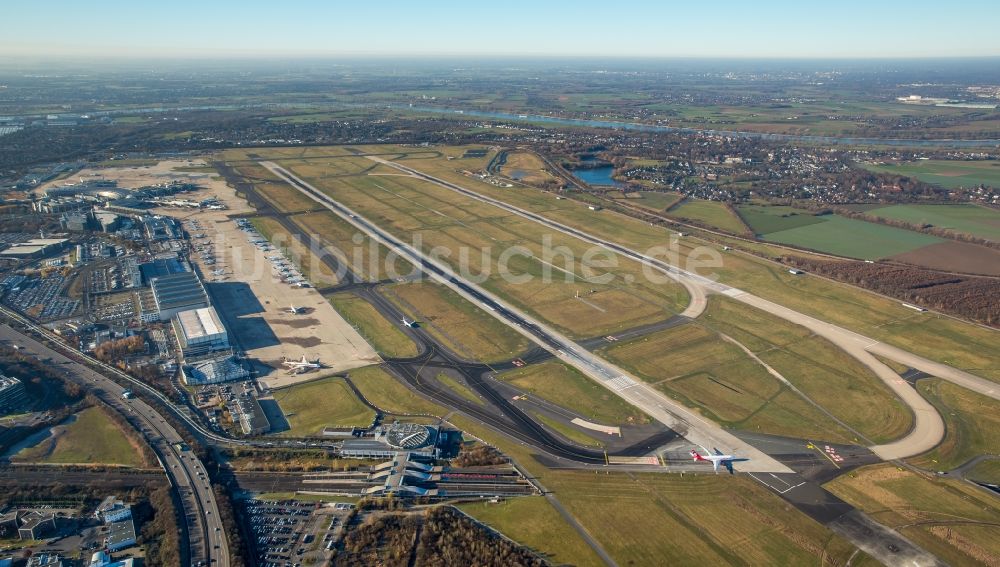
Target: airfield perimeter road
[692,426]
[206,536]
[928,427]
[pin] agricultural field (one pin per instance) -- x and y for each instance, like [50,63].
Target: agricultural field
[566,386]
[954,520]
[764,219]
[381,333]
[710,213]
[952,256]
[968,219]
[972,425]
[467,330]
[653,519]
[946,173]
[532,521]
[696,366]
[89,438]
[327,402]
[853,238]
[653,200]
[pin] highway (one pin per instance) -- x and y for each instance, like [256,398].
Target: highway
[928,427]
[205,534]
[684,421]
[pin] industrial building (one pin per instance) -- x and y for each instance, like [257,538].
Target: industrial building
[34,248]
[107,221]
[177,292]
[121,534]
[75,221]
[200,332]
[253,420]
[12,395]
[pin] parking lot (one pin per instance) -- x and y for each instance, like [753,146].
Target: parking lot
[294,534]
[40,297]
[114,307]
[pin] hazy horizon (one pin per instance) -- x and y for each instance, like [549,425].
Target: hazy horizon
[393,29]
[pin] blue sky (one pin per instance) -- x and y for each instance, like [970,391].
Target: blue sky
[723,28]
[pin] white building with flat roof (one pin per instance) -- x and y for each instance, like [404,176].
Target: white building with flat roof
[200,331]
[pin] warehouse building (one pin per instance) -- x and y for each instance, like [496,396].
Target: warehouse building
[121,534]
[34,248]
[200,332]
[253,420]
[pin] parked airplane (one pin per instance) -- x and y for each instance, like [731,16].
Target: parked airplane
[410,324]
[300,366]
[717,458]
[296,310]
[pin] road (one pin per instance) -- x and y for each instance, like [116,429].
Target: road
[206,536]
[677,417]
[928,427]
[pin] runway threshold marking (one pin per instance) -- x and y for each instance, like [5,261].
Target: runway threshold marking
[812,445]
[788,487]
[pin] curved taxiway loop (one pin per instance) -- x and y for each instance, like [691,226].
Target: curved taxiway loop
[683,420]
[928,427]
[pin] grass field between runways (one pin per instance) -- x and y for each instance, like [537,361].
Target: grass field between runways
[566,386]
[381,333]
[654,519]
[461,326]
[954,520]
[327,402]
[972,425]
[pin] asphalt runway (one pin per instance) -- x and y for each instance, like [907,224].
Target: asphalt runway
[419,372]
[654,403]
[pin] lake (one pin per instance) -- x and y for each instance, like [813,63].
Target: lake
[596,176]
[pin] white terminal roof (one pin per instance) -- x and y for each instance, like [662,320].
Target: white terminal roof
[198,323]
